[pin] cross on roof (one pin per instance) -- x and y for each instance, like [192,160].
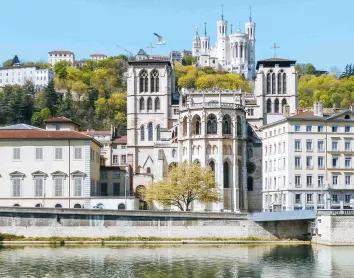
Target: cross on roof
[275,49]
[151,47]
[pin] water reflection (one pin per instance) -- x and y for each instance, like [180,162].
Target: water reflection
[178,261]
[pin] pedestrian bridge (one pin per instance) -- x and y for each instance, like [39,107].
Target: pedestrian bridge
[284,215]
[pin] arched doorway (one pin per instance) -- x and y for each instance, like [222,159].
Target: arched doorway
[139,192]
[226,175]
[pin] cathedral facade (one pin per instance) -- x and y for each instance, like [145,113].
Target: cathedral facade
[232,52]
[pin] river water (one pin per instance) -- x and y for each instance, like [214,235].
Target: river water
[178,261]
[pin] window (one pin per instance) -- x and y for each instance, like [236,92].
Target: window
[334,145]
[16,187]
[149,104]
[276,106]
[334,179]
[123,159]
[348,179]
[104,175]
[320,162]
[309,198]
[226,174]
[297,180]
[347,198]
[16,153]
[308,128]
[347,146]
[143,82]
[38,187]
[266,166]
[269,106]
[320,145]
[320,128]
[154,81]
[39,153]
[115,159]
[297,145]
[77,187]
[348,162]
[309,164]
[150,132]
[284,83]
[57,126]
[116,189]
[309,145]
[297,128]
[58,187]
[335,162]
[334,128]
[211,124]
[320,179]
[284,147]
[265,151]
[335,198]
[297,162]
[284,163]
[77,153]
[347,128]
[142,104]
[142,133]
[157,103]
[309,181]
[320,199]
[297,198]
[226,124]
[158,133]
[268,83]
[58,153]
[116,174]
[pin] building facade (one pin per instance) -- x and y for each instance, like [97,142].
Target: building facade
[233,52]
[60,55]
[98,57]
[308,161]
[19,75]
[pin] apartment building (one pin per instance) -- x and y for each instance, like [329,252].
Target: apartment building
[98,57]
[307,161]
[60,55]
[19,75]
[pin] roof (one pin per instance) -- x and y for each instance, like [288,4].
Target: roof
[150,61]
[120,140]
[273,61]
[97,132]
[60,120]
[20,127]
[306,115]
[60,52]
[141,52]
[18,67]
[98,55]
[44,135]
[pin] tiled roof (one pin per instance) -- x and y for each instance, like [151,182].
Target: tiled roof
[307,115]
[120,140]
[20,127]
[60,52]
[98,55]
[97,132]
[59,120]
[44,135]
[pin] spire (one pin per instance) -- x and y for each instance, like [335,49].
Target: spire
[231,28]
[250,18]
[239,27]
[222,12]
[196,30]
[205,32]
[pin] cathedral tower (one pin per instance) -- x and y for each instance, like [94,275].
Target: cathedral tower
[250,28]
[196,47]
[222,39]
[205,42]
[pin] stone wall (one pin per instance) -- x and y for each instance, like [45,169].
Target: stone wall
[43,222]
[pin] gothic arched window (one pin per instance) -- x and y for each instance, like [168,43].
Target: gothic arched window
[148,170]
[185,126]
[283,103]
[226,124]
[142,104]
[150,135]
[143,81]
[226,174]
[155,81]
[196,124]
[269,106]
[250,184]
[157,103]
[273,83]
[158,133]
[149,104]
[279,83]
[142,133]
[284,83]
[212,165]
[239,126]
[276,106]
[268,83]
[212,126]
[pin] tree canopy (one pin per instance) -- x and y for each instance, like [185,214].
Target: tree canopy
[305,68]
[184,184]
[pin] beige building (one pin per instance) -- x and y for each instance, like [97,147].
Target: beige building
[307,161]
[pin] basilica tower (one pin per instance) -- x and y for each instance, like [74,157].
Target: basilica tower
[196,45]
[222,39]
[250,28]
[205,42]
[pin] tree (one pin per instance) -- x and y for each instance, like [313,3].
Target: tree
[7,63]
[51,97]
[189,60]
[183,185]
[305,68]
[15,60]
[61,69]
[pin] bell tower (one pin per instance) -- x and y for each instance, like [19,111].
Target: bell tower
[250,28]
[196,46]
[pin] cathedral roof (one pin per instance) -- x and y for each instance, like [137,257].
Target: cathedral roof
[148,61]
[272,61]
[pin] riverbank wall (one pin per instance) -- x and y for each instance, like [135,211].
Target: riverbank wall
[46,222]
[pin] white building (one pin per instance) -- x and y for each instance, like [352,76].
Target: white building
[98,57]
[233,52]
[307,161]
[60,55]
[19,75]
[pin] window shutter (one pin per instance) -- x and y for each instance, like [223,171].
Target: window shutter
[16,154]
[78,153]
[39,153]
[58,153]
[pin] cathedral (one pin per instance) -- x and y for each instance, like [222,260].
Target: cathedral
[234,52]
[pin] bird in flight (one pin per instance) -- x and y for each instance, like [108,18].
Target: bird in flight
[160,42]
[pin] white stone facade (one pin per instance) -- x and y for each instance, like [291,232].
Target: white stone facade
[19,75]
[98,57]
[60,55]
[234,52]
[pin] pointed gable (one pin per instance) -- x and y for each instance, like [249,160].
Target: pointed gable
[347,115]
[59,174]
[17,174]
[78,174]
[39,174]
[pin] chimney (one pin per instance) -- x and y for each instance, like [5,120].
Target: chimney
[315,108]
[286,111]
[320,109]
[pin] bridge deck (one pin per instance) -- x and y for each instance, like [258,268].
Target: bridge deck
[284,215]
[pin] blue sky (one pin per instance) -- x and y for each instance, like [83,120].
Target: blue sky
[316,31]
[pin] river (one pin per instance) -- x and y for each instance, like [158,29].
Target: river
[178,261]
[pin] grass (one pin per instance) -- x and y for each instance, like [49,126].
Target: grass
[11,237]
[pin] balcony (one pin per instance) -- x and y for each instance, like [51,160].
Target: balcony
[341,186]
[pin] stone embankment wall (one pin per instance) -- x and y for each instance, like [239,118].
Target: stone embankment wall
[44,222]
[334,228]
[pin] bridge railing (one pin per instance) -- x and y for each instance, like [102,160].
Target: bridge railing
[335,212]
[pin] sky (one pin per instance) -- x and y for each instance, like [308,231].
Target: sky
[316,31]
